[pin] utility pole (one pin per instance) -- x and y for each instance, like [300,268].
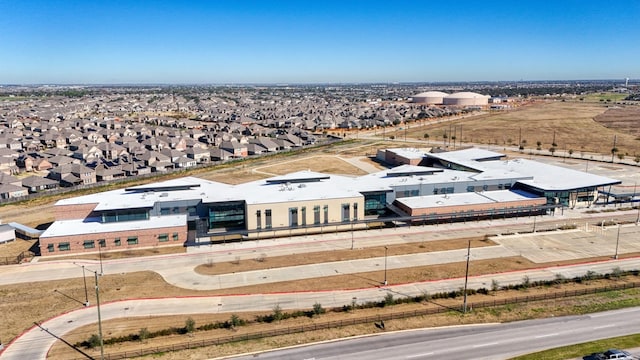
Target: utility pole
[466,279]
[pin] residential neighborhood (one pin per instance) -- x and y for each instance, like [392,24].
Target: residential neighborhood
[54,137]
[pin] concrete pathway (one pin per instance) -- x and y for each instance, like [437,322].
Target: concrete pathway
[35,343]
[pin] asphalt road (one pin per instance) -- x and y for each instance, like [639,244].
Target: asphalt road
[178,270]
[492,341]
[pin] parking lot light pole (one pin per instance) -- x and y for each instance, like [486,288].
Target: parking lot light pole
[617,242]
[466,278]
[86,294]
[385,265]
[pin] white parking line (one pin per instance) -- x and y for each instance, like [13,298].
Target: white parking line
[419,355]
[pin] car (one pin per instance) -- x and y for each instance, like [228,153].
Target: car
[617,354]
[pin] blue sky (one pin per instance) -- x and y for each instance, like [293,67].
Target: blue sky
[212,42]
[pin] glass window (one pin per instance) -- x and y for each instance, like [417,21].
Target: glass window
[325,209]
[132,240]
[355,211]
[192,211]
[117,242]
[102,243]
[267,218]
[124,215]
[175,236]
[450,190]
[163,237]
[304,215]
[89,244]
[293,217]
[165,211]
[316,214]
[64,246]
[415,193]
[50,248]
[345,213]
[470,188]
[259,219]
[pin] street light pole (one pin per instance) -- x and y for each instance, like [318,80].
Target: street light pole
[351,234]
[617,242]
[100,256]
[385,265]
[86,294]
[99,317]
[466,279]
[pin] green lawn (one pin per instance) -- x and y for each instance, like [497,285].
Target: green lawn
[580,350]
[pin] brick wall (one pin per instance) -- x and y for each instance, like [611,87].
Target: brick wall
[472,207]
[146,238]
[70,212]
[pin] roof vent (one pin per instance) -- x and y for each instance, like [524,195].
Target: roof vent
[164,194]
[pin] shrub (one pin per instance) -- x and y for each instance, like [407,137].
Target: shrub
[189,325]
[277,313]
[318,309]
[143,334]
[388,300]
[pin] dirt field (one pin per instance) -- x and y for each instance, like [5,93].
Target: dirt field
[625,119]
[44,303]
[573,124]
[124,327]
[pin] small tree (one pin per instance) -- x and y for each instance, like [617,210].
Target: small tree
[495,285]
[388,299]
[570,152]
[539,143]
[277,313]
[190,325]
[235,321]
[143,334]
[318,309]
[94,341]
[426,136]
[526,282]
[552,150]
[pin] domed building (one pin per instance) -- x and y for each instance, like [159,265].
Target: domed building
[466,99]
[429,98]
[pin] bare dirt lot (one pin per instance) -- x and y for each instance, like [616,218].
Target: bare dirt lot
[625,119]
[588,127]
[123,327]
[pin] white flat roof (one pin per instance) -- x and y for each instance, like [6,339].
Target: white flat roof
[381,181]
[89,228]
[330,187]
[194,189]
[469,198]
[529,172]
[409,153]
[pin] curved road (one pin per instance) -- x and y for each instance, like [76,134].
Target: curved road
[493,341]
[34,343]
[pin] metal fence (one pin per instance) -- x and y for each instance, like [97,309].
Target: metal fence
[12,260]
[362,320]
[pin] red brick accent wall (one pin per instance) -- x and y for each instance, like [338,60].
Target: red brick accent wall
[475,207]
[70,212]
[146,238]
